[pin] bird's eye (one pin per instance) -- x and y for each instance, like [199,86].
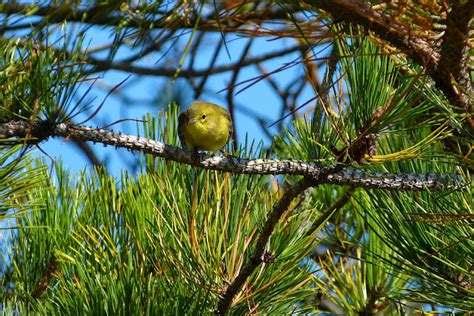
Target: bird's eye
[203,116]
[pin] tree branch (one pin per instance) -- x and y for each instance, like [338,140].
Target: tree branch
[97,16]
[188,73]
[327,174]
[257,256]
[454,60]
[359,12]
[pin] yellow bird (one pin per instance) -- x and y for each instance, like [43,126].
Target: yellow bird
[204,126]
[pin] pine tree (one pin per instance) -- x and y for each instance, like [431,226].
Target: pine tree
[361,204]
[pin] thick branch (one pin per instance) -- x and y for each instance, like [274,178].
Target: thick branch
[455,57]
[325,174]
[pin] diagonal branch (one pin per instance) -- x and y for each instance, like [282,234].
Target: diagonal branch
[258,253]
[327,174]
[361,13]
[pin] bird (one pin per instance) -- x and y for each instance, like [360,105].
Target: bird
[204,126]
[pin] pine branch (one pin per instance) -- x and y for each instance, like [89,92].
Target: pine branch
[259,252]
[326,174]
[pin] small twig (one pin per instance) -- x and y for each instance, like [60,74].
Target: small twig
[199,89]
[105,99]
[230,91]
[323,89]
